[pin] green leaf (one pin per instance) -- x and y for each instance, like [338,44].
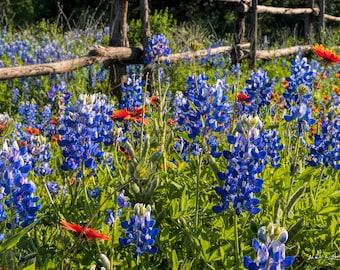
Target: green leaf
[276,211]
[335,194]
[174,260]
[213,165]
[184,200]
[294,198]
[332,227]
[328,210]
[205,245]
[12,241]
[214,255]
[294,229]
[29,267]
[183,135]
[306,174]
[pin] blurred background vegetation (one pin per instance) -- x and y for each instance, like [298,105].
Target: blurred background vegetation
[216,17]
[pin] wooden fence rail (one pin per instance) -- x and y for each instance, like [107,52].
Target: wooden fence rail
[311,12]
[116,57]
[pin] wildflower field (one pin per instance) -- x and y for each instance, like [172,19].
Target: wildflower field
[219,168]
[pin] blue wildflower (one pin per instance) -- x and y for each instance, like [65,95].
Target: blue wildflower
[246,159]
[53,188]
[201,111]
[94,193]
[16,189]
[140,231]
[157,47]
[259,91]
[326,148]
[111,217]
[84,128]
[298,94]
[270,250]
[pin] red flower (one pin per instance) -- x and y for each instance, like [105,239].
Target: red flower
[32,131]
[243,97]
[285,84]
[126,115]
[54,121]
[90,234]
[326,54]
[154,100]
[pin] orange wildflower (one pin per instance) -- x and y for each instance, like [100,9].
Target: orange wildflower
[243,97]
[3,127]
[336,89]
[326,98]
[316,85]
[22,143]
[337,75]
[54,121]
[32,131]
[171,122]
[276,97]
[322,75]
[327,55]
[285,84]
[126,115]
[315,109]
[154,100]
[313,130]
[90,234]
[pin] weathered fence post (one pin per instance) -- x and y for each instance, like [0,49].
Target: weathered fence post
[309,22]
[321,24]
[146,32]
[239,29]
[253,34]
[118,38]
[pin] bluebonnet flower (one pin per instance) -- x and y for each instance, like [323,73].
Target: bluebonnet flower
[17,190]
[298,94]
[122,203]
[236,70]
[133,93]
[94,193]
[270,250]
[140,231]
[326,148]
[28,111]
[202,110]
[15,95]
[92,76]
[2,236]
[258,91]
[29,136]
[157,47]
[247,158]
[53,188]
[83,129]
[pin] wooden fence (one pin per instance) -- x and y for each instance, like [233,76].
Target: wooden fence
[118,54]
[313,12]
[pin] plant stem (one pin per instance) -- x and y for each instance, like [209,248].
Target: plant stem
[237,245]
[197,191]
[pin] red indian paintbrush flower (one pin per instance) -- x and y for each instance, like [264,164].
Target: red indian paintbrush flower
[327,55]
[243,97]
[90,234]
[32,131]
[126,115]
